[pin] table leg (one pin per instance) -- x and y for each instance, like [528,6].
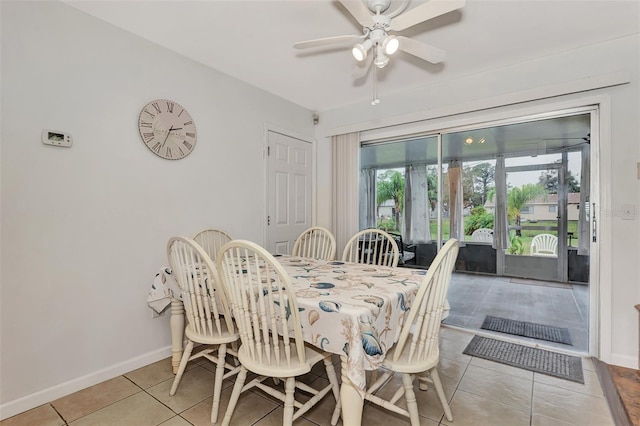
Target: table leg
[350,398]
[177,332]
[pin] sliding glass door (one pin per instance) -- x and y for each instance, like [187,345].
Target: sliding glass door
[512,193]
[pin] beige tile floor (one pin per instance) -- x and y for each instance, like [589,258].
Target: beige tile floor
[480,393]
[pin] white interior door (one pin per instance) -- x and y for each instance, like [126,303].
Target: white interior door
[289,171]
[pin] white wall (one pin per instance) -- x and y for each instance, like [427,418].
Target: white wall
[479,97]
[84,229]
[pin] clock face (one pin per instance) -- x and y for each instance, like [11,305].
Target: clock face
[167,129]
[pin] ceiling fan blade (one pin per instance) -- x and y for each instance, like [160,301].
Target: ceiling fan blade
[424,12]
[359,11]
[360,69]
[328,41]
[421,50]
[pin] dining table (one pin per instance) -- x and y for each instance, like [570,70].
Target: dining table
[350,309]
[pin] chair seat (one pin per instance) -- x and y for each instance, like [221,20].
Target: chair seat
[404,365]
[295,368]
[224,337]
[408,256]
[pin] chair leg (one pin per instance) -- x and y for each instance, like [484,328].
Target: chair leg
[410,398]
[440,391]
[186,354]
[217,386]
[423,379]
[289,390]
[335,387]
[234,346]
[235,395]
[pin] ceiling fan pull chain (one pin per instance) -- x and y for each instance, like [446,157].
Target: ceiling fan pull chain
[375,100]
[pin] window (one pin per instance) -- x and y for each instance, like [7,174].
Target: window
[526,210]
[553,208]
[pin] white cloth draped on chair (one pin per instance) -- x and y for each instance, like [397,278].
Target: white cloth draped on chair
[416,205]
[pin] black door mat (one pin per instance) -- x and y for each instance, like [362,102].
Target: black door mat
[533,359]
[527,329]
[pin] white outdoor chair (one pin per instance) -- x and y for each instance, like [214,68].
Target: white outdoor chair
[317,243]
[417,350]
[211,240]
[207,312]
[266,313]
[482,235]
[544,245]
[372,246]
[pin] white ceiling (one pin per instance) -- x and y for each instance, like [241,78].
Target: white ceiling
[253,40]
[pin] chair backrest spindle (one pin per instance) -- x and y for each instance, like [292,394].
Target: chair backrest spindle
[204,302]
[316,243]
[263,303]
[420,332]
[372,246]
[211,240]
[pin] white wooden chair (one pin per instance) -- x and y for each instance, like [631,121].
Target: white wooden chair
[207,312]
[266,313]
[417,351]
[482,235]
[211,240]
[372,246]
[544,245]
[317,243]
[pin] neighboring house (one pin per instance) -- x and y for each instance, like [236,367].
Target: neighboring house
[545,207]
[386,209]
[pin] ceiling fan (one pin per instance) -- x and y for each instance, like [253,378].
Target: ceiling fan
[377,43]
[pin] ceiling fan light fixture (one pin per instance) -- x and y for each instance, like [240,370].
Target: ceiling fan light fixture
[390,45]
[381,59]
[360,50]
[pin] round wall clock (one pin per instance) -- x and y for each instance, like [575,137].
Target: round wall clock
[167,129]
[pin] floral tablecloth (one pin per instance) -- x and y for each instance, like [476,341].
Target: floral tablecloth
[348,309]
[352,309]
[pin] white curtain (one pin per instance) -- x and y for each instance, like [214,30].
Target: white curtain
[500,221]
[368,198]
[416,205]
[585,189]
[456,205]
[345,150]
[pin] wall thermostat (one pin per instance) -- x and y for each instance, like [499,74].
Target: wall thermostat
[55,138]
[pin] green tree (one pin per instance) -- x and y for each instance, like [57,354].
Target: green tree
[477,181]
[391,187]
[432,185]
[517,198]
[549,181]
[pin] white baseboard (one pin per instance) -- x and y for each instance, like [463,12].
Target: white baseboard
[624,361]
[44,396]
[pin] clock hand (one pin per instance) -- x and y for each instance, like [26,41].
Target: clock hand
[167,137]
